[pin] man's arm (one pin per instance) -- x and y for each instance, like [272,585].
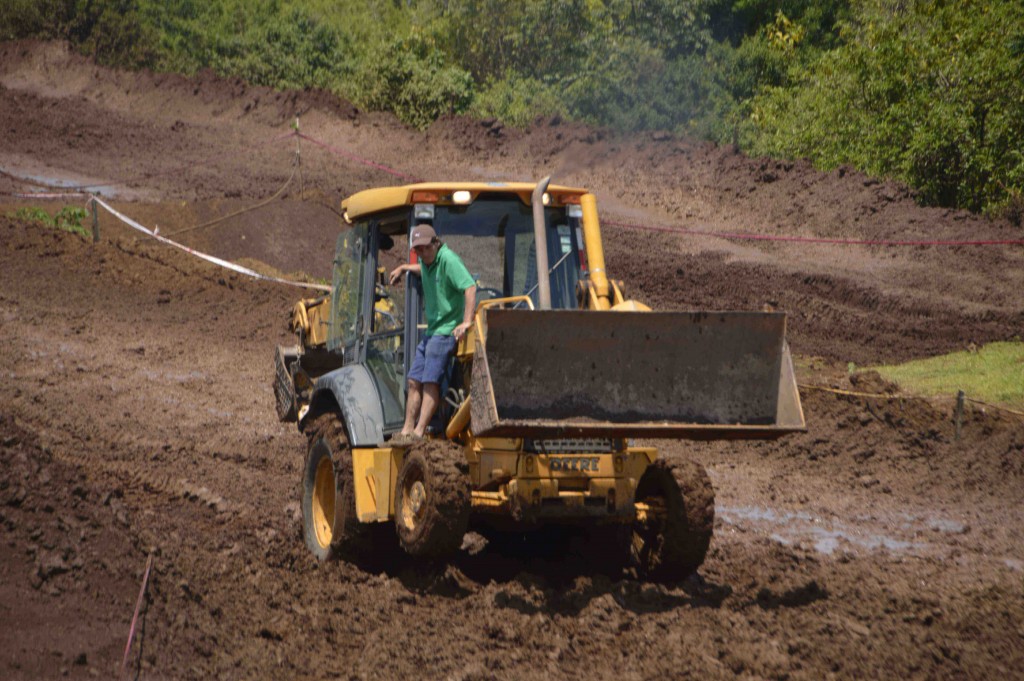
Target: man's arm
[467,312]
[396,273]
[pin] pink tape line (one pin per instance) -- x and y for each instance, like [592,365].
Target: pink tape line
[135,617]
[357,159]
[814,239]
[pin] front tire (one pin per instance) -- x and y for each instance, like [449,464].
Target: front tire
[432,500]
[329,523]
[672,542]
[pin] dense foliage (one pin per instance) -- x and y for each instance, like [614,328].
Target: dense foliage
[928,91]
[932,92]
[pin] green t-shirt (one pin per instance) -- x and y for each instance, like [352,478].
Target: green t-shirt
[444,286]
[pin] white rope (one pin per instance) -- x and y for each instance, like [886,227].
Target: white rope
[205,256]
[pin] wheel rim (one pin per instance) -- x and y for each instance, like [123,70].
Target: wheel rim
[323,502]
[647,536]
[414,498]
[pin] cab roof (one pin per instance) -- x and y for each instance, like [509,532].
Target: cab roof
[381,199]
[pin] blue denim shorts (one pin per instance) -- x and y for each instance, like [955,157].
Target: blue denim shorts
[431,361]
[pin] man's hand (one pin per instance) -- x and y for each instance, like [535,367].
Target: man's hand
[468,309]
[396,274]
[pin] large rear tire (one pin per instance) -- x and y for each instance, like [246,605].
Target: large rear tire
[432,500]
[671,543]
[329,521]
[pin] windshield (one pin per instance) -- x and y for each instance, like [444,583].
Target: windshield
[494,237]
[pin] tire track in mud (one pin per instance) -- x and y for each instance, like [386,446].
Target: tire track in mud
[137,463]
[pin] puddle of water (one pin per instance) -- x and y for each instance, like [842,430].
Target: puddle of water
[171,377]
[792,527]
[912,522]
[946,525]
[766,514]
[826,544]
[53,182]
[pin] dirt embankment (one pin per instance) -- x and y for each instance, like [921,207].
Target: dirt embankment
[136,415]
[211,143]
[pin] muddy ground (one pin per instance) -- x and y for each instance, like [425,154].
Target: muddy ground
[136,416]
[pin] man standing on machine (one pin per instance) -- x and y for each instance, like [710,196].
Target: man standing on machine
[449,295]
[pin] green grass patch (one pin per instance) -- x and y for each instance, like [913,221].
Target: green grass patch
[68,219]
[993,373]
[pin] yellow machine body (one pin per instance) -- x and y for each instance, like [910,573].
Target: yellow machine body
[517,484]
[554,395]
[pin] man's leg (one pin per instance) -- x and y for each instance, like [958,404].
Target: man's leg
[414,385]
[437,354]
[413,398]
[431,398]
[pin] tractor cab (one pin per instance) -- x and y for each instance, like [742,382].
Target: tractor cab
[490,227]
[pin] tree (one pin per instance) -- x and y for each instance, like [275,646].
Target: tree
[931,92]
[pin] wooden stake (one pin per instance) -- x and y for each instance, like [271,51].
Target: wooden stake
[135,617]
[95,223]
[959,412]
[298,159]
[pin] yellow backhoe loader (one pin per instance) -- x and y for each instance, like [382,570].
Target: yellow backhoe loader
[544,397]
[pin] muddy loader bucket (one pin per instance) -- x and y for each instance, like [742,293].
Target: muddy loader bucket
[697,375]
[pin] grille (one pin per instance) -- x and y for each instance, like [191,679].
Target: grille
[574,446]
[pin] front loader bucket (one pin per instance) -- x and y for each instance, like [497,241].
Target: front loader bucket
[570,373]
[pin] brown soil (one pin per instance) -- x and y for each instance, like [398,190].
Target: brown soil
[136,414]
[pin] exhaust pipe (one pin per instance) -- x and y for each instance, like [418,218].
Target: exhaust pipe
[541,244]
